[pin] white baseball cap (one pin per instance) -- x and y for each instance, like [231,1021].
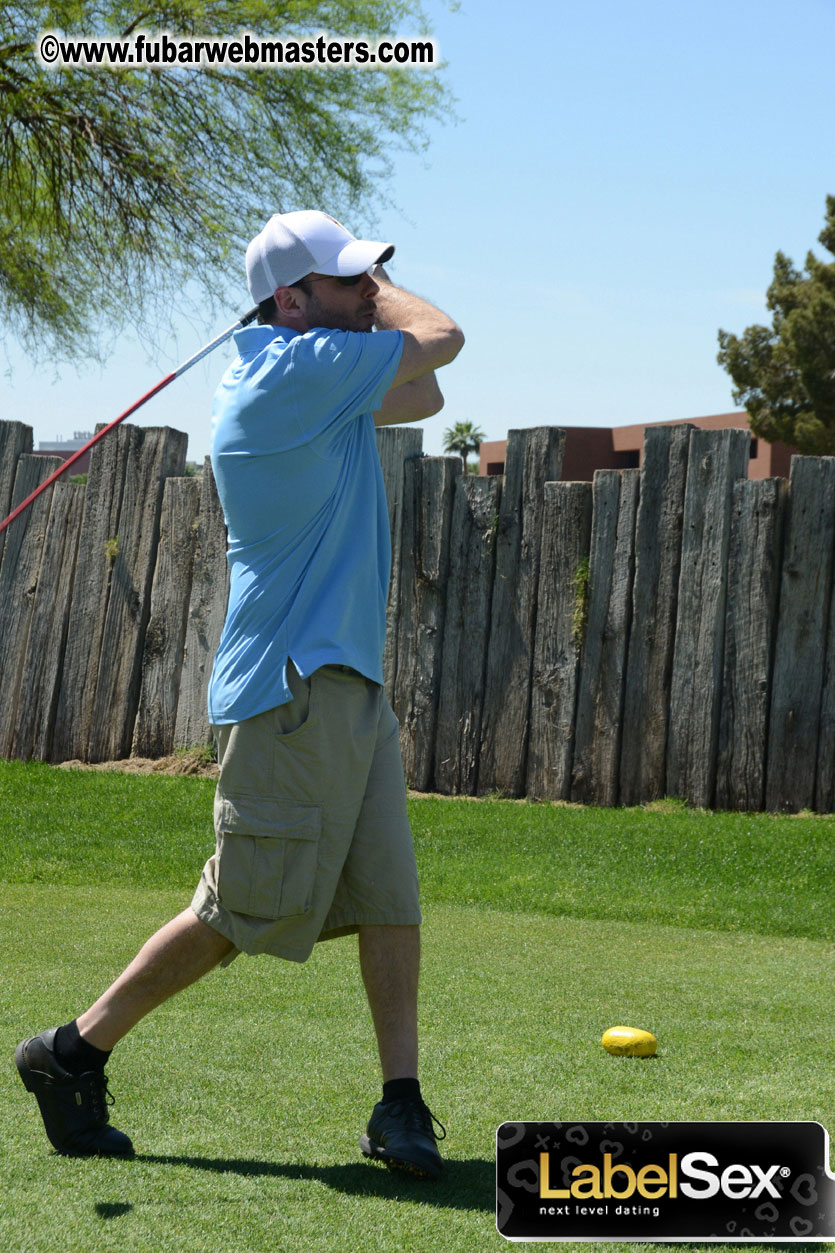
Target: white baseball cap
[294,244]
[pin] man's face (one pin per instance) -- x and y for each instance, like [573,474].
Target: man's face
[331,304]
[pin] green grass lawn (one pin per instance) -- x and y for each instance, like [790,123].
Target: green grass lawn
[544,925]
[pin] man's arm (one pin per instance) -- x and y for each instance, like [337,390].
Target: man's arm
[430,340]
[410,402]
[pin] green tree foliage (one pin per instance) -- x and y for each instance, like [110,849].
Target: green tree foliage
[463,438]
[784,374]
[119,188]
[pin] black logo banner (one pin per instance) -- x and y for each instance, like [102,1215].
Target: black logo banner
[723,1181]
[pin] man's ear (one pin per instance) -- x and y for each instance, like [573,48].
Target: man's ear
[287,303]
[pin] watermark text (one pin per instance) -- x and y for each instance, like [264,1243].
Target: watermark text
[162,50]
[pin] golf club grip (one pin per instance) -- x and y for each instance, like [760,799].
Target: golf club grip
[169,378]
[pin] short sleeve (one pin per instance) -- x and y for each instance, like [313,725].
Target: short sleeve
[339,375]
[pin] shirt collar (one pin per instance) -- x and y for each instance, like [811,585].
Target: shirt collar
[250,339]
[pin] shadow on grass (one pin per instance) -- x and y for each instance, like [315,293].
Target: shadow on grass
[113,1209]
[468,1185]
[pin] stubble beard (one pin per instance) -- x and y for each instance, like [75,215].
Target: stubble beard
[318,314]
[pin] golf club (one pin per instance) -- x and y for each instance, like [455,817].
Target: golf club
[169,378]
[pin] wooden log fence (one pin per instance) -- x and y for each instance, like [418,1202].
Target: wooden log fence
[424,573]
[206,612]
[649,665]
[801,648]
[42,658]
[597,731]
[750,632]
[562,612]
[533,458]
[165,636]
[469,589]
[18,590]
[662,632]
[715,464]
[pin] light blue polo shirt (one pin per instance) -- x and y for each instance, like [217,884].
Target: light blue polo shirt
[295,458]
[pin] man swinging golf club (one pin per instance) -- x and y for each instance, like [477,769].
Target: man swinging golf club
[312,835]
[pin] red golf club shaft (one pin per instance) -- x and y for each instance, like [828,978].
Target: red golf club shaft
[169,378]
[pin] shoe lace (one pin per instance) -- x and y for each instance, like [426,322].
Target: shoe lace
[100,1098]
[418,1115]
[438,1122]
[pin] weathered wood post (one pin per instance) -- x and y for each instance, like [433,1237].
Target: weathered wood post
[424,563]
[19,575]
[206,615]
[15,440]
[716,460]
[825,781]
[560,624]
[165,637]
[750,630]
[805,589]
[111,595]
[154,454]
[597,734]
[472,549]
[97,546]
[41,678]
[649,664]
[534,458]
[395,446]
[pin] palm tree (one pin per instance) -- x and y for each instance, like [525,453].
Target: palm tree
[463,438]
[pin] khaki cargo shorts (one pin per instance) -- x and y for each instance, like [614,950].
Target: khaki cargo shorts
[313,839]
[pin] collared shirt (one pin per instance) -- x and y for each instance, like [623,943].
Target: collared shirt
[294,455]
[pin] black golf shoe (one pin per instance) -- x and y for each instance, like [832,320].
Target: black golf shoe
[74,1108]
[401,1134]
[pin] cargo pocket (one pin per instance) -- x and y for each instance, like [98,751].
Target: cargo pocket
[267,855]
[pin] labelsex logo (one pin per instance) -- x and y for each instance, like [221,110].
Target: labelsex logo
[664,1181]
[651,1181]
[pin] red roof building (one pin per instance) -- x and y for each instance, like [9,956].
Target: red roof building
[590,448]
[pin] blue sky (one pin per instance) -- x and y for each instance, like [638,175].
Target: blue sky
[615,191]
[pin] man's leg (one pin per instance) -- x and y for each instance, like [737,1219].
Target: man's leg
[178,955]
[389,961]
[400,1130]
[68,1081]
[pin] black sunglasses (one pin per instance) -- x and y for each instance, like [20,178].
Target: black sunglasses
[346,280]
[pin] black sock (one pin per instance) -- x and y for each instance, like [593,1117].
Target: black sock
[401,1090]
[75,1053]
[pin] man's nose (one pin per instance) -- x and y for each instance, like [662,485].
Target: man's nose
[369,287]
